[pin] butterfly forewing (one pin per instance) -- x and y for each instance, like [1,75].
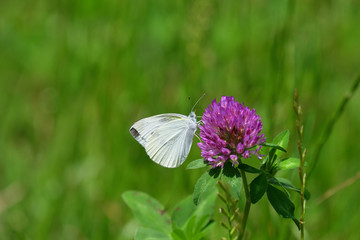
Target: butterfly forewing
[144,128]
[167,138]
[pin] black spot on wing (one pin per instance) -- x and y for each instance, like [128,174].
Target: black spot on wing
[134,132]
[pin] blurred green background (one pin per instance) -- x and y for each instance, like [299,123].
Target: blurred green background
[75,75]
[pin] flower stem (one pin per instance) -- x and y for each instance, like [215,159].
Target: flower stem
[247,205]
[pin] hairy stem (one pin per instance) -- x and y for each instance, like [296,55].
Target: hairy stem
[302,153]
[247,205]
[229,208]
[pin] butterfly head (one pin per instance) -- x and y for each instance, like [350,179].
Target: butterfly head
[192,116]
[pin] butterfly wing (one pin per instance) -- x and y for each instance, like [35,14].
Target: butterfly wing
[143,129]
[167,138]
[170,144]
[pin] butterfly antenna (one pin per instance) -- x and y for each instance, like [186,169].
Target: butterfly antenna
[189,101]
[197,101]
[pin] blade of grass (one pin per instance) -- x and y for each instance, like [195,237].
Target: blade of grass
[338,188]
[330,125]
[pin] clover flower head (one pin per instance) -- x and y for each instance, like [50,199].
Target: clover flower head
[229,131]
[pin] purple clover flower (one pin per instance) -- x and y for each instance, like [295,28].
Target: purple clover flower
[229,131]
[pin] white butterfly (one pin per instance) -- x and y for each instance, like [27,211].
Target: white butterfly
[167,138]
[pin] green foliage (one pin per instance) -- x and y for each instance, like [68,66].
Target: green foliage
[248,168]
[287,185]
[281,203]
[75,75]
[266,181]
[183,211]
[148,211]
[273,161]
[275,146]
[282,141]
[198,163]
[150,234]
[258,188]
[288,163]
[230,197]
[187,220]
[186,209]
[231,176]
[205,184]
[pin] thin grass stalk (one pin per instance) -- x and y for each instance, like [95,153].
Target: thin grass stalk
[302,153]
[330,124]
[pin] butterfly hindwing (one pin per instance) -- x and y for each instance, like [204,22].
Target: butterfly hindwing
[171,143]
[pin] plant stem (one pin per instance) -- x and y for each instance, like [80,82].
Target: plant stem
[338,188]
[229,209]
[247,205]
[330,124]
[302,153]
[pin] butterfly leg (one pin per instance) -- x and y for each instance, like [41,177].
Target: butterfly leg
[197,137]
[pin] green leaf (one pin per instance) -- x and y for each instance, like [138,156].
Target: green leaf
[205,184]
[178,234]
[272,157]
[281,203]
[150,234]
[202,224]
[288,163]
[258,188]
[282,140]
[206,206]
[198,163]
[248,168]
[148,211]
[199,232]
[274,146]
[194,228]
[282,182]
[186,209]
[183,211]
[189,230]
[207,225]
[307,194]
[232,177]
